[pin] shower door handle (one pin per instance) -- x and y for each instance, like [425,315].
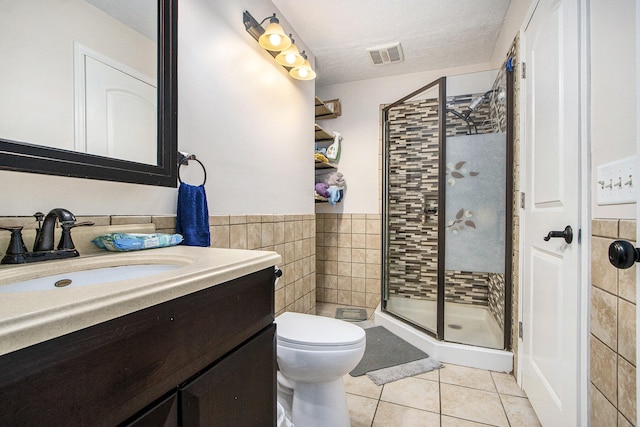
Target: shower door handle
[426,209]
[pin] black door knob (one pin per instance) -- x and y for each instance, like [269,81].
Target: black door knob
[623,254]
[566,234]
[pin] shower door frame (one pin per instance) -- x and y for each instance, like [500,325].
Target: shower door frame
[509,206]
[440,297]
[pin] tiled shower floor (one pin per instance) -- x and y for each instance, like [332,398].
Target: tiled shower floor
[450,397]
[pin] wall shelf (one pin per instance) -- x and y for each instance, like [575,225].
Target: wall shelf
[327,109]
[321,134]
[323,165]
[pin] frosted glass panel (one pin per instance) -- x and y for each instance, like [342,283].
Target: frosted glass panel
[475,203]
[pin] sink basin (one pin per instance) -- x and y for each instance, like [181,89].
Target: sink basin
[88,277]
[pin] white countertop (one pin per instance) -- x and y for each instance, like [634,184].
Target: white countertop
[27,318]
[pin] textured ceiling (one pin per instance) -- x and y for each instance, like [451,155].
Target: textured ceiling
[434,34]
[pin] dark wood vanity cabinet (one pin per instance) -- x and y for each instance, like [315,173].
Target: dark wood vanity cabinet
[204,359]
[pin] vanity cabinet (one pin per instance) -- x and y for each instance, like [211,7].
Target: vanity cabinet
[206,358]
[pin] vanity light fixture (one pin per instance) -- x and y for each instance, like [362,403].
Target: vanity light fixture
[279,45]
[304,71]
[274,37]
[290,57]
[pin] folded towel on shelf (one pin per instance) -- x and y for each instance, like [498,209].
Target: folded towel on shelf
[335,194]
[321,189]
[336,179]
[321,158]
[192,217]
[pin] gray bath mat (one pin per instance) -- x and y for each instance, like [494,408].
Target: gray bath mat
[394,373]
[351,314]
[385,349]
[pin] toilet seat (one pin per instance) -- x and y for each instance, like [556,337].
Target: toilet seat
[309,332]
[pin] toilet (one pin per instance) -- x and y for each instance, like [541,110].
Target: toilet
[313,354]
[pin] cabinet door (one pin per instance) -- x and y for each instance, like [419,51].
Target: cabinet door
[162,414]
[238,391]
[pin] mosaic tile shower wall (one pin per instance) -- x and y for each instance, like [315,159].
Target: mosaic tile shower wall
[413,185]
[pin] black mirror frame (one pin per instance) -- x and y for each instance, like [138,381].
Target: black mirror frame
[26,157]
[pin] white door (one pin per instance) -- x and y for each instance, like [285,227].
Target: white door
[115,108]
[551,299]
[120,114]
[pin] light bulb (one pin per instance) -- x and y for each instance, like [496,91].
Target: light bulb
[302,72]
[290,58]
[275,39]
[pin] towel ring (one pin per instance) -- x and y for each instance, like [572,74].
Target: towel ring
[185,161]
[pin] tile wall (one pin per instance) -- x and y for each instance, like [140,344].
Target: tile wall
[613,329]
[292,236]
[348,259]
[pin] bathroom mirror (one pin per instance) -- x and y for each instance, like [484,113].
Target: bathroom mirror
[32,140]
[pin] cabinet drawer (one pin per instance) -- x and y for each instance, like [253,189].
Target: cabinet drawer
[105,374]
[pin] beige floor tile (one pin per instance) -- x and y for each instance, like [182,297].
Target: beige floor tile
[361,410]
[519,411]
[431,375]
[362,386]
[467,377]
[457,422]
[413,392]
[506,384]
[389,414]
[471,404]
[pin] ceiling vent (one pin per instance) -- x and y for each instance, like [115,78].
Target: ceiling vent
[386,54]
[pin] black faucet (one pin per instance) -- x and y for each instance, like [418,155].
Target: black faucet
[43,244]
[44,234]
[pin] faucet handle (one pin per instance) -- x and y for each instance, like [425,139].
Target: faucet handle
[39,216]
[16,250]
[66,243]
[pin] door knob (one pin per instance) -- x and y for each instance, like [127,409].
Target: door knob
[566,234]
[623,254]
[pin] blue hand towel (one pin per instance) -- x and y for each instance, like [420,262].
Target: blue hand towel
[192,218]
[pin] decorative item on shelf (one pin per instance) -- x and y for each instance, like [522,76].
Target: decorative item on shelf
[279,45]
[333,151]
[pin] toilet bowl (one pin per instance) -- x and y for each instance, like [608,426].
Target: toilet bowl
[313,354]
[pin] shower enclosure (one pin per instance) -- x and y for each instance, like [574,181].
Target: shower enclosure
[447,208]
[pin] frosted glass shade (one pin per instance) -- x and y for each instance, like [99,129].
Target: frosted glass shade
[274,38]
[290,57]
[303,72]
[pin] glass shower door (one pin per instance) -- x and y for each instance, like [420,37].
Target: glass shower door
[413,133]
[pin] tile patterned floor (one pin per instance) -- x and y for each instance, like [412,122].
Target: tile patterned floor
[454,396]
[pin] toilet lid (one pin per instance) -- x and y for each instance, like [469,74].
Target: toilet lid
[298,328]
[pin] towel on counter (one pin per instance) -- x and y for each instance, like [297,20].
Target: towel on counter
[192,217]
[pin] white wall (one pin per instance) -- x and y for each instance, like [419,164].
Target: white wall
[613,92]
[513,20]
[359,126]
[238,111]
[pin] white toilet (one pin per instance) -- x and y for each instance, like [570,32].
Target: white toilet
[314,353]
